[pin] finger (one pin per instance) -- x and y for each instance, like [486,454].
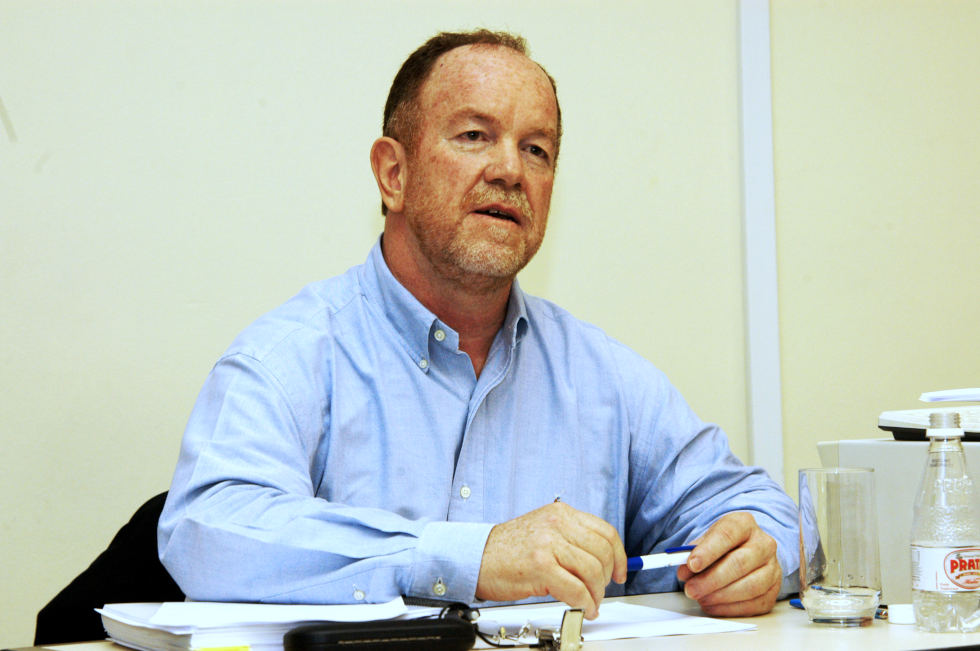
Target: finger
[595,545]
[729,532]
[619,559]
[587,568]
[613,556]
[736,600]
[751,586]
[566,587]
[684,573]
[599,538]
[729,569]
[757,606]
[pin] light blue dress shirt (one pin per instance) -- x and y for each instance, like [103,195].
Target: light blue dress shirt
[343,449]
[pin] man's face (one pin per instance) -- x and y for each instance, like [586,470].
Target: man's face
[480,173]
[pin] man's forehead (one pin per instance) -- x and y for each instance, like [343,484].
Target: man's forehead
[477,64]
[484,74]
[479,55]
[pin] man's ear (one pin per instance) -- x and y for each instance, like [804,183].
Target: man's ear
[388,163]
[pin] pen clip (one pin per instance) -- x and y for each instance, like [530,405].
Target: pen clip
[682,548]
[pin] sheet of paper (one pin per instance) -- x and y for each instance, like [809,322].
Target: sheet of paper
[184,616]
[616,620]
[951,395]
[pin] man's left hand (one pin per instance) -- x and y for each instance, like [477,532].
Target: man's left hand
[733,571]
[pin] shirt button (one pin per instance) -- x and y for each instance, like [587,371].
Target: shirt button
[423,364]
[465,492]
[439,588]
[359,595]
[439,335]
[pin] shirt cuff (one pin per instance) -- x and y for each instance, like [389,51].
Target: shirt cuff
[447,560]
[787,546]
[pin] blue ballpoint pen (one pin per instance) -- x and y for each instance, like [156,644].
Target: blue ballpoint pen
[667,558]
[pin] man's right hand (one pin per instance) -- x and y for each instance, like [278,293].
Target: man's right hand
[555,550]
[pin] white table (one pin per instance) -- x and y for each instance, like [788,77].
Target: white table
[784,628]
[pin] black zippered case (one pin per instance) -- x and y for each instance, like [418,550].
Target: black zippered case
[438,634]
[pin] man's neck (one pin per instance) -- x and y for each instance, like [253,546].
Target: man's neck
[474,306]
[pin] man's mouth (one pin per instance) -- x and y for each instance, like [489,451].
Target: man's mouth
[500,213]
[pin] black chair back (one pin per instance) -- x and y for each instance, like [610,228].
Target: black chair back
[128,570]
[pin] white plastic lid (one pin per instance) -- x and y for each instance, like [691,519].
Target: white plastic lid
[945,433]
[944,425]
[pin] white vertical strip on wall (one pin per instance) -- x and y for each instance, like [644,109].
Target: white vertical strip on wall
[759,214]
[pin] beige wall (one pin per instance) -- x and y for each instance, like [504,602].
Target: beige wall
[877,155]
[169,171]
[176,169]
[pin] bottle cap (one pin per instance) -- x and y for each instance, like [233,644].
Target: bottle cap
[944,424]
[938,419]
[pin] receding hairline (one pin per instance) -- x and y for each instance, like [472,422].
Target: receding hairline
[405,113]
[487,47]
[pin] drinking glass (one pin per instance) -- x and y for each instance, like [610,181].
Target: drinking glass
[839,575]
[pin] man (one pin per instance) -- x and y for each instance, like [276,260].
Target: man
[421,426]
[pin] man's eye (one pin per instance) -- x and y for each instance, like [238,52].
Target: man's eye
[472,135]
[534,150]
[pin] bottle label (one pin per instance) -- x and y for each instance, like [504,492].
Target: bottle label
[946,569]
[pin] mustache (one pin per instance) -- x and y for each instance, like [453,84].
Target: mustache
[490,194]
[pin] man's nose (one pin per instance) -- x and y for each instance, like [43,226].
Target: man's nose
[505,167]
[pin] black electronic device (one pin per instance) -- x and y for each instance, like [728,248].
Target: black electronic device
[448,633]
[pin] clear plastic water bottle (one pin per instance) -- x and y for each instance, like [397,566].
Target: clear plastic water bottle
[946,535]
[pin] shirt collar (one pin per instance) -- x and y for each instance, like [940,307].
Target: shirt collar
[414,321]
[401,309]
[516,321]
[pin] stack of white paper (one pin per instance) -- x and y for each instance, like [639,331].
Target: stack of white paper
[178,626]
